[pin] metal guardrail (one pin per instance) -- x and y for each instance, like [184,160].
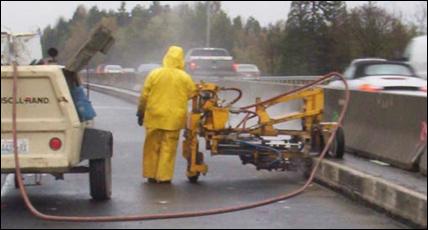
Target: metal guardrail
[134,81]
[280,79]
[293,80]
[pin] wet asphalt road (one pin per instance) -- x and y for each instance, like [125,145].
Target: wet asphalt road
[228,183]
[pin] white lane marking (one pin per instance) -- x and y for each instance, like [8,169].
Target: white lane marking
[381,163]
[8,184]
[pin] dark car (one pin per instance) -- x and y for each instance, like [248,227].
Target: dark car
[210,62]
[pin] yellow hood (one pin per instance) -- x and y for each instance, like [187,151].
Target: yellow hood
[174,58]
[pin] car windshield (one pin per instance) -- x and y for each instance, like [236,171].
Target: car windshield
[349,72]
[209,53]
[387,69]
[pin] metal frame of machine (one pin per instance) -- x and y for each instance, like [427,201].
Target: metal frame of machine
[210,117]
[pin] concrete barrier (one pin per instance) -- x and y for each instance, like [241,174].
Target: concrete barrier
[423,164]
[385,127]
[396,200]
[124,94]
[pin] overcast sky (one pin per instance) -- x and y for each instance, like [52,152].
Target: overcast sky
[22,16]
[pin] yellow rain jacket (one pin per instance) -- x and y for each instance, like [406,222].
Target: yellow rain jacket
[163,102]
[166,92]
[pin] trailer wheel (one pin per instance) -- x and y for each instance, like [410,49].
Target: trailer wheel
[337,149]
[100,179]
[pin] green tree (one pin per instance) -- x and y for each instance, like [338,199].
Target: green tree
[318,36]
[94,16]
[377,33]
[311,42]
[123,18]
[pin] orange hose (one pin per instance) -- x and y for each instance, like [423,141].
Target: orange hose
[237,97]
[46,217]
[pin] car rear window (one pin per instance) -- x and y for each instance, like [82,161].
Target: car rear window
[209,53]
[388,69]
[248,68]
[113,67]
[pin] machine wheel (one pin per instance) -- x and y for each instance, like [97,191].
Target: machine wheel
[100,179]
[199,160]
[194,179]
[337,149]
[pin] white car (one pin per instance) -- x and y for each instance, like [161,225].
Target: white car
[248,71]
[113,69]
[379,75]
[128,70]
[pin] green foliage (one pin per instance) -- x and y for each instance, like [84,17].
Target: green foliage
[318,36]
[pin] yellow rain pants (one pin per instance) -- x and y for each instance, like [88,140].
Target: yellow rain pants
[160,150]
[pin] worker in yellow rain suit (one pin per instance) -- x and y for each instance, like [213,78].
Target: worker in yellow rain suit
[163,109]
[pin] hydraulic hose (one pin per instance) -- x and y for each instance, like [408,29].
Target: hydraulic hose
[47,217]
[237,97]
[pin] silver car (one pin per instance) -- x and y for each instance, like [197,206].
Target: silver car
[248,71]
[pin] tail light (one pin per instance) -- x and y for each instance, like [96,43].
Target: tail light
[424,89]
[193,66]
[370,88]
[235,67]
[55,144]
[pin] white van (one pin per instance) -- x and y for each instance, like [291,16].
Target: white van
[416,54]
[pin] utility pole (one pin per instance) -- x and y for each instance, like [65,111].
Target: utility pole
[208,38]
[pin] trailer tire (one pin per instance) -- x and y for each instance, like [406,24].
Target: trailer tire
[100,179]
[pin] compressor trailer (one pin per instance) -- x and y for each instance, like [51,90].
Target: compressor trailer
[210,116]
